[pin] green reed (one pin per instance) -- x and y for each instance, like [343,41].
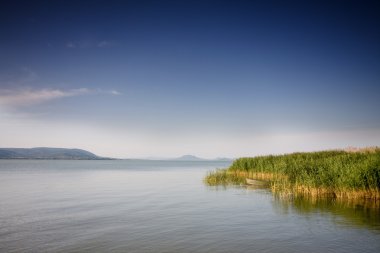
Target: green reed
[339,173]
[223,177]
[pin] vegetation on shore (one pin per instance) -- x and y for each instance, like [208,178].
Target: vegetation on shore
[351,173]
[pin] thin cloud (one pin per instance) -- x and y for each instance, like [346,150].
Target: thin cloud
[79,44]
[115,92]
[23,97]
[109,92]
[27,96]
[71,45]
[106,43]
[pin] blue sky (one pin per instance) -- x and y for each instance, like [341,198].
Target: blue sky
[210,78]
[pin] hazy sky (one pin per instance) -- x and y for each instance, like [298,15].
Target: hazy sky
[209,78]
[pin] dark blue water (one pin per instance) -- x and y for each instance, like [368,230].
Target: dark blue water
[163,206]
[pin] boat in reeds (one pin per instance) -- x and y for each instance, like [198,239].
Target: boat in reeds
[255,182]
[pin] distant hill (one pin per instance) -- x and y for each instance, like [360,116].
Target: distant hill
[189,158]
[47,153]
[224,159]
[195,158]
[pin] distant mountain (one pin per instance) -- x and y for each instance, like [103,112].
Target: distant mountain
[224,159]
[47,153]
[195,158]
[189,158]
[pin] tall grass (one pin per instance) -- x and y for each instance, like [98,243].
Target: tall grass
[351,174]
[223,177]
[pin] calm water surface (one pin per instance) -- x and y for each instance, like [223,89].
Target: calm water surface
[163,206]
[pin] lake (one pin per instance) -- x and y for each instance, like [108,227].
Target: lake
[163,206]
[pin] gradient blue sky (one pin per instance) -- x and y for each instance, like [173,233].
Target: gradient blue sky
[210,78]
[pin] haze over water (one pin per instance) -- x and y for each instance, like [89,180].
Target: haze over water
[163,206]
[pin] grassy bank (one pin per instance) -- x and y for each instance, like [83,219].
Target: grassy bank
[353,173]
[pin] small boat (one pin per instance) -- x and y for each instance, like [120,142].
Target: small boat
[255,182]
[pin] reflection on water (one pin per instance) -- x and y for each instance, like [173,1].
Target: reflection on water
[354,212]
[344,212]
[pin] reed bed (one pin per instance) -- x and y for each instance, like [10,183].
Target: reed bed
[224,177]
[353,173]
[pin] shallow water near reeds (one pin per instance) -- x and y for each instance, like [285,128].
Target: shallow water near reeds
[163,206]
